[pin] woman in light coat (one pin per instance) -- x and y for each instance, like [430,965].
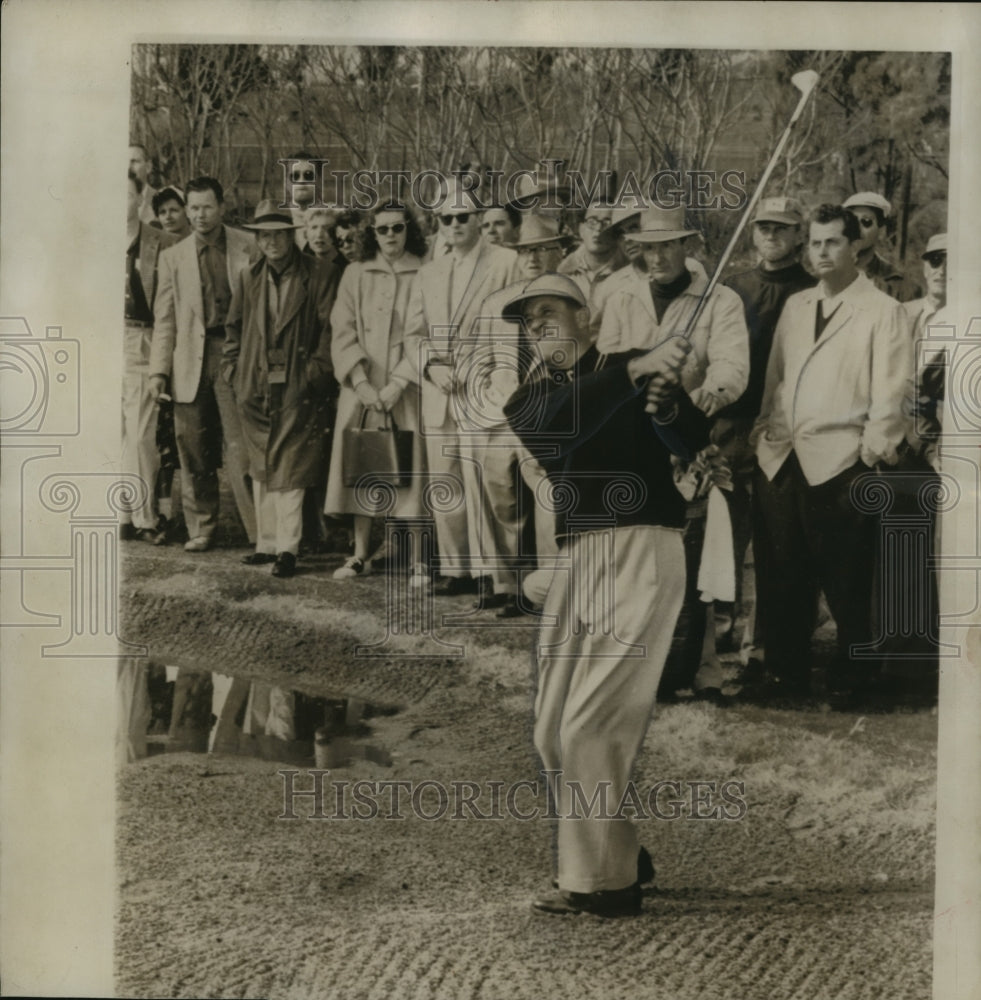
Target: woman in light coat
[375,374]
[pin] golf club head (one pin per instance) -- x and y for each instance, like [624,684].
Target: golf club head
[805,80]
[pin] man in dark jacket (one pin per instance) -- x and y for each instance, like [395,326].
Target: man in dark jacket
[872,210]
[619,581]
[140,455]
[778,236]
[277,359]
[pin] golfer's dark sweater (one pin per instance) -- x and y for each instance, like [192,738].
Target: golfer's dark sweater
[604,457]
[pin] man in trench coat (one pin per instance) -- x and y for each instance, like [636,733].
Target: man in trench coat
[277,360]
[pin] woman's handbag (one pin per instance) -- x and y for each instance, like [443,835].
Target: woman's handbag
[382,454]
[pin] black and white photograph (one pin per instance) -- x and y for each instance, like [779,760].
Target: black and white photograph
[521,537]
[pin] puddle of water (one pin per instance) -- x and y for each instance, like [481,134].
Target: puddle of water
[201,712]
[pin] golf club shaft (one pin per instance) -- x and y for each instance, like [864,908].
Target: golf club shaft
[811,83]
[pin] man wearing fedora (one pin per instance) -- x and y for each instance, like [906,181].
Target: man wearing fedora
[872,210]
[643,313]
[193,294]
[445,302]
[277,358]
[614,598]
[491,365]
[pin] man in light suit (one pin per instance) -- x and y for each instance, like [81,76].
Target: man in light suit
[445,302]
[833,409]
[196,278]
[495,361]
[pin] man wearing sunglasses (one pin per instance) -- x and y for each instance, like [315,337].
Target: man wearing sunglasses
[910,664]
[872,210]
[444,304]
[303,189]
[344,233]
[493,365]
[921,311]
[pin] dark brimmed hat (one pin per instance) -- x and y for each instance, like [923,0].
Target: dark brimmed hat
[537,231]
[624,212]
[547,190]
[268,218]
[658,225]
[545,284]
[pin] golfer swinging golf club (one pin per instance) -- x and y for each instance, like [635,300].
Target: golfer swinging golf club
[620,578]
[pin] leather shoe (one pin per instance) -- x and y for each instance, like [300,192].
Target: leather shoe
[201,543]
[258,558]
[453,586]
[645,869]
[485,593]
[147,535]
[285,565]
[510,608]
[486,598]
[605,903]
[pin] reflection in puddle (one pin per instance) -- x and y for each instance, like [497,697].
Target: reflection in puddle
[200,712]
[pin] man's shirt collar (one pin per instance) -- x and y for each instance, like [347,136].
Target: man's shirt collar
[216,238]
